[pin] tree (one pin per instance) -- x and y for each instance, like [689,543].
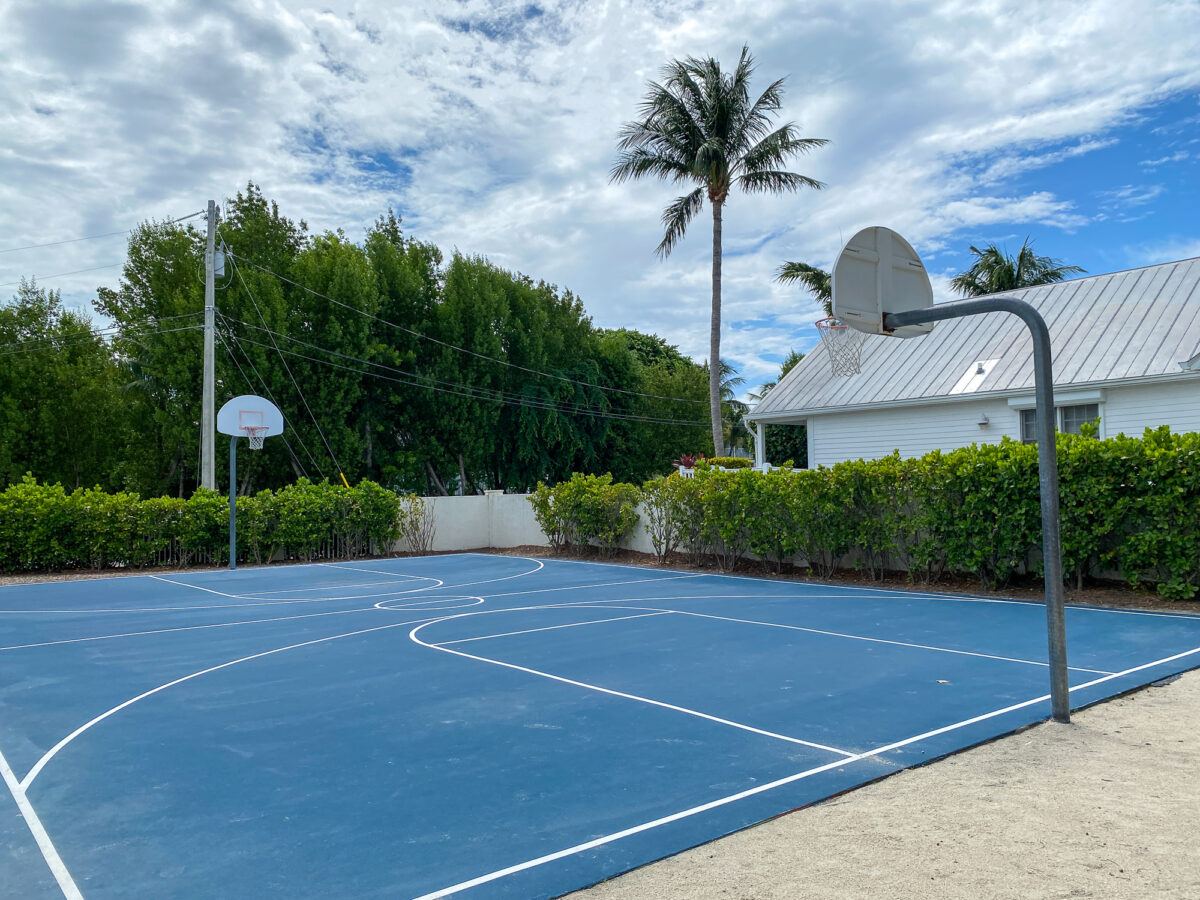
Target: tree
[61,414]
[816,281]
[699,126]
[994,270]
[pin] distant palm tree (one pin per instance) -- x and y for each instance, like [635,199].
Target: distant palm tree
[994,271]
[699,126]
[816,281]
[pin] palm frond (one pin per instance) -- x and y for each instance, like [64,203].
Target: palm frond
[777,148]
[816,281]
[676,217]
[640,161]
[776,182]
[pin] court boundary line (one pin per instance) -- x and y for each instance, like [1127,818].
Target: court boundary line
[762,788]
[33,773]
[875,640]
[33,822]
[103,576]
[412,635]
[926,595]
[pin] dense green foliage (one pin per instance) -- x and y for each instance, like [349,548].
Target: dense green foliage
[46,527]
[1128,506]
[586,510]
[424,375]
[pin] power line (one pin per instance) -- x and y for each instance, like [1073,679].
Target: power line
[43,344]
[233,357]
[33,278]
[287,368]
[469,392]
[484,356]
[92,237]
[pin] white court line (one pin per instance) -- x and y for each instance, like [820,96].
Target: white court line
[762,788]
[538,566]
[396,579]
[581,587]
[187,571]
[108,637]
[53,751]
[132,609]
[412,635]
[923,595]
[488,637]
[874,640]
[57,868]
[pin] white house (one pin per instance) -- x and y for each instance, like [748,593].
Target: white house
[1126,351]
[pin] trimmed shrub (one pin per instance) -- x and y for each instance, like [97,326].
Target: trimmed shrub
[43,527]
[587,509]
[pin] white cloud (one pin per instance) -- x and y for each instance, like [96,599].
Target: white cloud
[501,120]
[1177,156]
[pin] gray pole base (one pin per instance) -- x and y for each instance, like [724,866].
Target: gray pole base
[1060,697]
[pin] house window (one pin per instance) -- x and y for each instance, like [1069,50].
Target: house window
[1072,417]
[1029,426]
[1070,420]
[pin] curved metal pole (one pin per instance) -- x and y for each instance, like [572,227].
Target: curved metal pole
[1060,698]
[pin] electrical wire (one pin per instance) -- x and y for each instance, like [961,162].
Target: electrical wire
[287,368]
[484,356]
[267,389]
[471,393]
[233,357]
[53,343]
[92,237]
[34,278]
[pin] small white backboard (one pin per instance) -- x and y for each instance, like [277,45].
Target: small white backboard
[879,272]
[250,417]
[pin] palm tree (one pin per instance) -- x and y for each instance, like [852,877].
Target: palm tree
[816,281]
[699,126]
[733,410]
[994,270]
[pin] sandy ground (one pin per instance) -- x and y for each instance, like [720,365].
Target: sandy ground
[1107,807]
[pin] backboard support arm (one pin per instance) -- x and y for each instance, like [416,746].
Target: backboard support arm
[1043,377]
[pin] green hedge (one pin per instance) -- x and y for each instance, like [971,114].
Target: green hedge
[1129,505]
[43,527]
[586,510]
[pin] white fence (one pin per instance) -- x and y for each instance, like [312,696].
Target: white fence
[496,520]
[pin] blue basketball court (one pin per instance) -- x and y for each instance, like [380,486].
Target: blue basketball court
[484,726]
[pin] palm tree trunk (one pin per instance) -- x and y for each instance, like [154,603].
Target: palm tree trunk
[714,337]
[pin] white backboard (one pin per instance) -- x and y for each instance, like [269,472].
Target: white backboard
[250,410]
[879,272]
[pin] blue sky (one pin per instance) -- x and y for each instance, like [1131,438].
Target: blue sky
[491,127]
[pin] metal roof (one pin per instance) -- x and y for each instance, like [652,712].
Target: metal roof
[1136,324]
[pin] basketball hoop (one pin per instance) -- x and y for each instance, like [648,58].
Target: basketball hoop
[257,434]
[843,344]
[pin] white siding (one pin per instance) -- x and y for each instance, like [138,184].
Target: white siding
[913,430]
[1133,409]
[916,430]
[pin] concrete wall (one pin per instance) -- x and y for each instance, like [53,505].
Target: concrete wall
[496,519]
